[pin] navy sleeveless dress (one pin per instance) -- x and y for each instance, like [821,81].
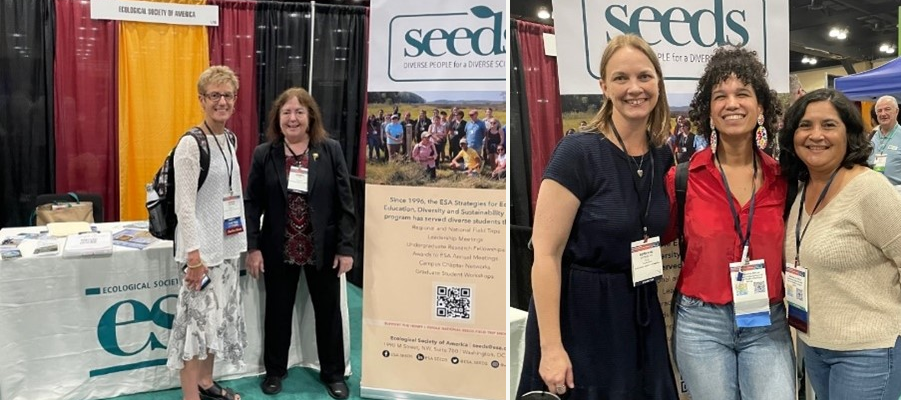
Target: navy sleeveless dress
[613,332]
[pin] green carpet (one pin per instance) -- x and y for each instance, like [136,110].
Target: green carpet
[302,383]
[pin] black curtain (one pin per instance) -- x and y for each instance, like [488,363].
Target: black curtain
[27,31]
[283,52]
[520,159]
[521,259]
[358,189]
[339,74]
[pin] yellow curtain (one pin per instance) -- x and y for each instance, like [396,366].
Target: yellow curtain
[158,69]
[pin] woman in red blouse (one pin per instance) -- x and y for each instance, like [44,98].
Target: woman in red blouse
[731,338]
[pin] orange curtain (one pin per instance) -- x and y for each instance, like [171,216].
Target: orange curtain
[158,69]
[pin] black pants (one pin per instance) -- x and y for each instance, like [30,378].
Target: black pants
[281,289]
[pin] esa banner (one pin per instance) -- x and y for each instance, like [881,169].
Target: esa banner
[430,45]
[683,34]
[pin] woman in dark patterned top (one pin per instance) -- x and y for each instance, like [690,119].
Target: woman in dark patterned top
[300,185]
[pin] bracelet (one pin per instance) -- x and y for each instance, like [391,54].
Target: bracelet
[198,265]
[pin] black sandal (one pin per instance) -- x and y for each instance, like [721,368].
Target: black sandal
[217,392]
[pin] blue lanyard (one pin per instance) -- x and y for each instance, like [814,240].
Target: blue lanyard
[746,238]
[642,218]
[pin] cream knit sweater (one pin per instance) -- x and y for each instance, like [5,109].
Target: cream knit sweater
[852,251]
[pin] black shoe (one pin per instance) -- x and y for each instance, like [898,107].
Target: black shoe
[338,390]
[272,384]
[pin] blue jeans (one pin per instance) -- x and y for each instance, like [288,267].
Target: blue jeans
[720,361]
[859,375]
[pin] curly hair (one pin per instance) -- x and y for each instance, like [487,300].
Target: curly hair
[744,65]
[858,150]
[316,130]
[659,115]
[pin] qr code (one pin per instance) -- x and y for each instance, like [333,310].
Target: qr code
[453,302]
[759,287]
[799,294]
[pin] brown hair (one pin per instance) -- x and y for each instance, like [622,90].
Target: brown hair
[314,128]
[659,115]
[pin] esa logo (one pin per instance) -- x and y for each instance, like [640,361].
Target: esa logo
[127,328]
[678,26]
[479,32]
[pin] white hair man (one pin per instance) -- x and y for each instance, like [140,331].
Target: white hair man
[886,156]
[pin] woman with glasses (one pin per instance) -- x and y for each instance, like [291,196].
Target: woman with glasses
[209,238]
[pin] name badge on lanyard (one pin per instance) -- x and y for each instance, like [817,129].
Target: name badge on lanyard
[879,166]
[231,211]
[749,293]
[647,263]
[796,295]
[298,179]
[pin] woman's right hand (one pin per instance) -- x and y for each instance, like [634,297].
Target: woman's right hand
[556,370]
[194,277]
[254,263]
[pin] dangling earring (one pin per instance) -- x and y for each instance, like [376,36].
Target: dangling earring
[761,133]
[712,137]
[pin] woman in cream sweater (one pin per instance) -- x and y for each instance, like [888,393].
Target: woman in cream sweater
[843,252]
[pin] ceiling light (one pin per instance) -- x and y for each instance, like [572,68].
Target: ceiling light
[887,48]
[838,33]
[809,60]
[543,13]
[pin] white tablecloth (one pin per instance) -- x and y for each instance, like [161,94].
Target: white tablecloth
[517,319]
[89,328]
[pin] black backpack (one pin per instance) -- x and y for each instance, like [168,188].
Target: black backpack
[161,212]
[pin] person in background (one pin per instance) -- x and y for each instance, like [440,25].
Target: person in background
[731,338]
[457,133]
[425,154]
[467,161]
[492,140]
[394,138]
[209,239]
[301,218]
[593,332]
[886,156]
[475,131]
[500,171]
[838,233]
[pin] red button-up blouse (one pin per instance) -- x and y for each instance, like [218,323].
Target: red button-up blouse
[712,242]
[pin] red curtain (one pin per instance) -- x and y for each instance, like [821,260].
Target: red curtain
[543,94]
[232,44]
[86,117]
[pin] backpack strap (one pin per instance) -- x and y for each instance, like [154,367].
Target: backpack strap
[204,148]
[681,189]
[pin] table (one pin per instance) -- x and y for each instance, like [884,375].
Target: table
[97,327]
[517,346]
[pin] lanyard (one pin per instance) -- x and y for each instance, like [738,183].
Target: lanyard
[884,141]
[293,154]
[231,165]
[745,239]
[799,234]
[642,218]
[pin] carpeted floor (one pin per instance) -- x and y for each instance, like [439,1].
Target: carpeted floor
[301,384]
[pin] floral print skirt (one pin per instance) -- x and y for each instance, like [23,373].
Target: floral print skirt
[209,321]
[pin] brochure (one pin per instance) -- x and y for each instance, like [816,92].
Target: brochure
[134,238]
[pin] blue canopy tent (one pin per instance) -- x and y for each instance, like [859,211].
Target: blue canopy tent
[870,85]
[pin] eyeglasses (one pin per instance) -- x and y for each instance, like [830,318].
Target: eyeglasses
[215,96]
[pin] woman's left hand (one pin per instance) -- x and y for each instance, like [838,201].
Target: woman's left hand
[343,264]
